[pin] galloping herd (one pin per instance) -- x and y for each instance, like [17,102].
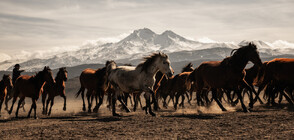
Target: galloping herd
[228,81]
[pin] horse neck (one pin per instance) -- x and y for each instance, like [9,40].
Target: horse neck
[38,80]
[152,70]
[238,63]
[58,80]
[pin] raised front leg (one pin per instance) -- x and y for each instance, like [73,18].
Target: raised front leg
[214,92]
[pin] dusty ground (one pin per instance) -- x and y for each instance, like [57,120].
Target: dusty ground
[192,122]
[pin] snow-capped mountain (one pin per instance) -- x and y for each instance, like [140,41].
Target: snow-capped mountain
[140,43]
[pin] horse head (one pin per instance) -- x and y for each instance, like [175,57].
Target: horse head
[163,64]
[110,65]
[47,75]
[62,73]
[7,81]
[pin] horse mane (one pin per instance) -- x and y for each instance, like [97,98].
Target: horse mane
[237,54]
[188,66]
[39,74]
[148,60]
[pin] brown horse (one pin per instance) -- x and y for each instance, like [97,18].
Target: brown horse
[226,74]
[31,86]
[278,73]
[95,81]
[5,83]
[55,89]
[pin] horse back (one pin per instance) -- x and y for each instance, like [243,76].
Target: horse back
[88,79]
[26,87]
[216,74]
[281,69]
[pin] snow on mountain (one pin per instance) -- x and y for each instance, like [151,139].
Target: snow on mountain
[140,43]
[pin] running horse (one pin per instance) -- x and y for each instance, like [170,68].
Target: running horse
[5,84]
[53,90]
[31,86]
[227,74]
[277,73]
[138,79]
[95,81]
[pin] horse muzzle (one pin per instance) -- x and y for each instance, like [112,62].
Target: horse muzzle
[169,74]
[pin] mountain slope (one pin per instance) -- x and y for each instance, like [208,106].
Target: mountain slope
[142,42]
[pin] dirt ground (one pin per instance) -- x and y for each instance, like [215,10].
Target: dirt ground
[189,123]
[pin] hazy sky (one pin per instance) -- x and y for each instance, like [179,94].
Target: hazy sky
[42,24]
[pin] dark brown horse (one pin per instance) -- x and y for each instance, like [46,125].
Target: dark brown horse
[56,89]
[95,81]
[226,74]
[31,86]
[278,73]
[5,83]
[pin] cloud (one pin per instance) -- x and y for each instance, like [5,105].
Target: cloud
[30,25]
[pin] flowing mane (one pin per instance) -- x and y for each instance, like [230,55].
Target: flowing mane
[237,55]
[188,67]
[148,60]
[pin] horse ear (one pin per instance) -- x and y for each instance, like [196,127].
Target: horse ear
[45,68]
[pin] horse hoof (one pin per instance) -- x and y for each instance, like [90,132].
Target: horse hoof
[152,114]
[250,105]
[115,114]
[224,109]
[246,111]
[9,112]
[89,111]
[95,110]
[84,108]
[64,108]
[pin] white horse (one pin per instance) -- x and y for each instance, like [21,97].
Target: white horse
[130,79]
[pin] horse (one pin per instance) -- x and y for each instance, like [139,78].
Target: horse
[5,83]
[31,86]
[55,89]
[138,79]
[95,81]
[278,74]
[226,74]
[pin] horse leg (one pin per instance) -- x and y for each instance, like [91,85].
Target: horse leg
[214,92]
[177,101]
[1,102]
[131,100]
[189,98]
[83,95]
[47,105]
[261,87]
[183,100]
[101,96]
[148,104]
[287,97]
[52,103]
[44,95]
[89,94]
[13,101]
[64,104]
[135,102]
[123,104]
[7,98]
[18,106]
[35,108]
[238,92]
[114,98]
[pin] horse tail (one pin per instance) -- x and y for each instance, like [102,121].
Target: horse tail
[82,89]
